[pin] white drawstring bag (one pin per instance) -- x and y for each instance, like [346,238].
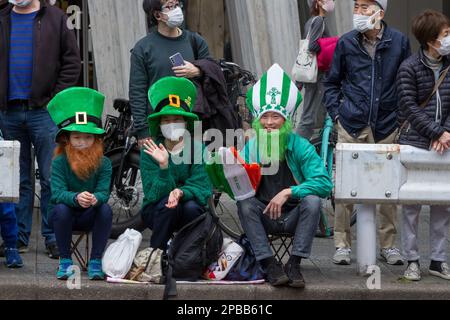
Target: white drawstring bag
[119,256]
[305,68]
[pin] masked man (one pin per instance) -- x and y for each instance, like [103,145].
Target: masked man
[361,97]
[288,197]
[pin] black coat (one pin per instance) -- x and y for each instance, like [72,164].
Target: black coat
[213,104]
[56,57]
[415,83]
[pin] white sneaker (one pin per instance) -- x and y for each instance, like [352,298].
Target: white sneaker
[412,273]
[342,256]
[444,273]
[392,256]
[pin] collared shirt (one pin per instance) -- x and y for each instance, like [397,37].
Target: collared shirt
[371,46]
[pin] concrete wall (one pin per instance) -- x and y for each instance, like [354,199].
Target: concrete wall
[116,27]
[264,32]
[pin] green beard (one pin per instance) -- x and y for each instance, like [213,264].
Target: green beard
[272,146]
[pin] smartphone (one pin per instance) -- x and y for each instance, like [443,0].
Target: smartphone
[177,60]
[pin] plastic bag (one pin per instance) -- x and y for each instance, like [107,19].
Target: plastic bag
[231,252]
[119,256]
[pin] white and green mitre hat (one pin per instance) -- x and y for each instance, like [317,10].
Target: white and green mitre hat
[275,92]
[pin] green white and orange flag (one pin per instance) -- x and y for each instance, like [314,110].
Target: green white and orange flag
[274,92]
[230,174]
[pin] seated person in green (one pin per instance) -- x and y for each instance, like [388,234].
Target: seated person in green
[175,182]
[80,177]
[288,197]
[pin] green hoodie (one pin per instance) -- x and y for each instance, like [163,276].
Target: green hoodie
[305,164]
[191,179]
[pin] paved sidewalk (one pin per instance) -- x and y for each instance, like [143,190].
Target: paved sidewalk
[324,280]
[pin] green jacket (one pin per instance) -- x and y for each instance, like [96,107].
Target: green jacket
[306,166]
[65,185]
[191,179]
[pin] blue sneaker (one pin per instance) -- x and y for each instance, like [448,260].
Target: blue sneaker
[95,271]
[13,259]
[64,265]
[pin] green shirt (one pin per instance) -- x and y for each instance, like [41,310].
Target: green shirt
[150,62]
[66,185]
[191,179]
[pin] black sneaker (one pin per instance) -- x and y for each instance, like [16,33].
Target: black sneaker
[53,251]
[295,276]
[21,247]
[275,274]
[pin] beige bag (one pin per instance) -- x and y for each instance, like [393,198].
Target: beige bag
[147,266]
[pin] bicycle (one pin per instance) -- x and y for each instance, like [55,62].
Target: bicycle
[126,185]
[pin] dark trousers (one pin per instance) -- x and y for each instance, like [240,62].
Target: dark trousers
[66,219]
[164,222]
[8,224]
[300,222]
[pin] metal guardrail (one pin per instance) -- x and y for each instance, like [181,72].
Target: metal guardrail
[371,174]
[9,171]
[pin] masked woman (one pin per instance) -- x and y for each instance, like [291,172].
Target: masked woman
[176,185]
[424,91]
[81,177]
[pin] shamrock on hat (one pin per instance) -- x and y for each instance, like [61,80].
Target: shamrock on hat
[275,92]
[172,96]
[77,110]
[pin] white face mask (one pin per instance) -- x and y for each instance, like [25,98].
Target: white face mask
[21,4]
[444,50]
[364,23]
[173,131]
[328,6]
[176,18]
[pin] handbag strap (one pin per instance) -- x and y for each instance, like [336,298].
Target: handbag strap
[310,27]
[436,88]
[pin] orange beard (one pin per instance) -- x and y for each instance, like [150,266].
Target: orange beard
[83,162]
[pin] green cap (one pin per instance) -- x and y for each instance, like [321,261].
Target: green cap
[172,96]
[78,110]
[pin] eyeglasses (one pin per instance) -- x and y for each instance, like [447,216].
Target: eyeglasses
[169,6]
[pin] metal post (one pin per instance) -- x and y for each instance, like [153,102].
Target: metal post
[366,233]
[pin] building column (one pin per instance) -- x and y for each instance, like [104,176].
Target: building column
[116,27]
[264,32]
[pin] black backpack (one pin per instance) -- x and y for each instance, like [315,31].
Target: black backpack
[193,248]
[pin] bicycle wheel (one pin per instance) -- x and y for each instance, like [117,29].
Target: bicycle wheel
[126,201]
[225,209]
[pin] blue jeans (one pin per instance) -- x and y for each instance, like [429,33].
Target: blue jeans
[301,222]
[8,224]
[31,127]
[164,222]
[98,220]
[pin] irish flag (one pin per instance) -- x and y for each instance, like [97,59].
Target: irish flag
[230,174]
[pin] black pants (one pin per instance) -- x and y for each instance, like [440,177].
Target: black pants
[66,219]
[164,221]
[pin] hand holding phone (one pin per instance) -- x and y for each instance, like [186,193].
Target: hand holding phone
[177,60]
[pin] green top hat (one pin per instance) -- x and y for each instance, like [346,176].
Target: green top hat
[78,110]
[172,96]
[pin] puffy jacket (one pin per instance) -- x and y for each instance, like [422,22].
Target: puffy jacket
[415,84]
[305,164]
[360,90]
[56,60]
